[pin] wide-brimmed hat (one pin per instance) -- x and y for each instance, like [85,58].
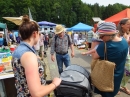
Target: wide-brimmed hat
[107,28]
[59,29]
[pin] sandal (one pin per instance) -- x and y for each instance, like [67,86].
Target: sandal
[124,89]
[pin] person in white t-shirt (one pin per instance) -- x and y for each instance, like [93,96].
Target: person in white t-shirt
[76,37]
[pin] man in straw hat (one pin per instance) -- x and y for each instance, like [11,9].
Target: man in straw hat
[116,51]
[60,45]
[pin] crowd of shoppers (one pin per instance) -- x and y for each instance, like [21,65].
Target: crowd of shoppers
[26,62]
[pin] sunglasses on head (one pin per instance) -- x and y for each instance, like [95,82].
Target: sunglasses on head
[104,35]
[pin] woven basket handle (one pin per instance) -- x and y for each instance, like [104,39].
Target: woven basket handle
[105,51]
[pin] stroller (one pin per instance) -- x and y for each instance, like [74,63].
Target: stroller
[75,83]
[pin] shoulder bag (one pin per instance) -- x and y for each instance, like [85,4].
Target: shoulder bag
[102,73]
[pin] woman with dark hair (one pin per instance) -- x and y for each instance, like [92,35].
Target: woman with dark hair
[28,72]
[124,27]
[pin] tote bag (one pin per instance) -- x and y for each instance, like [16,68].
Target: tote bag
[102,73]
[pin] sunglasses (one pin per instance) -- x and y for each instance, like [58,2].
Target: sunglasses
[103,36]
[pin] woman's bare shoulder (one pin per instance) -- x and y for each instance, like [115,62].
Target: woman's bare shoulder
[28,58]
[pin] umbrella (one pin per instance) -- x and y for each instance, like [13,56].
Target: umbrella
[80,27]
[46,23]
[2,25]
[16,20]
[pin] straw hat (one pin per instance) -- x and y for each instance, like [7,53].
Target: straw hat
[107,28]
[59,29]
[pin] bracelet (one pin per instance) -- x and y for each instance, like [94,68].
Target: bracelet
[54,85]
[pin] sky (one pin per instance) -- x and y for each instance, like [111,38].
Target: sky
[105,2]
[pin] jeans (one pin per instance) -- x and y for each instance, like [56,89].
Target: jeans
[45,45]
[62,59]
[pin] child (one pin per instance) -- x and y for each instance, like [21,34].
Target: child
[93,48]
[95,42]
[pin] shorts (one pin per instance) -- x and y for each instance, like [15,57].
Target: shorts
[89,45]
[50,41]
[41,48]
[41,51]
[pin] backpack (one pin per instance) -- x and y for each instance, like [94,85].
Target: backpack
[68,39]
[50,35]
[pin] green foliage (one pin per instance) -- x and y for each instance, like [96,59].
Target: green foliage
[67,12]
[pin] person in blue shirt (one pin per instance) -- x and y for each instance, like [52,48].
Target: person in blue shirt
[2,39]
[117,49]
[11,36]
[16,34]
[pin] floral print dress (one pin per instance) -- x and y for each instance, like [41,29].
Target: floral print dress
[20,78]
[19,71]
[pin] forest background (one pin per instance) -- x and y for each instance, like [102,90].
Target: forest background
[66,12]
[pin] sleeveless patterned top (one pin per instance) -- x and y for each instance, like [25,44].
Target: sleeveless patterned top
[20,77]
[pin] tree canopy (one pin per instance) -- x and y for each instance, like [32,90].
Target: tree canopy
[67,12]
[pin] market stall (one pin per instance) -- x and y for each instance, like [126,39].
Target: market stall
[80,27]
[7,88]
[80,43]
